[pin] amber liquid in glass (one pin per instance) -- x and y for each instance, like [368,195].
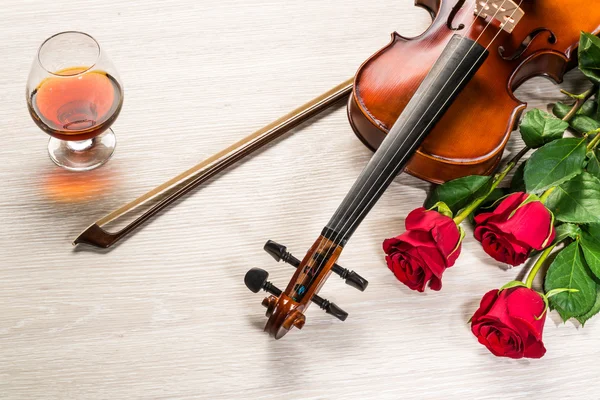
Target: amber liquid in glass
[76,107]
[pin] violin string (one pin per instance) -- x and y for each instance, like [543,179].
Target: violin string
[338,234]
[441,69]
[342,232]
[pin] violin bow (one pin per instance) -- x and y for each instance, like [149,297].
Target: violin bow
[177,187]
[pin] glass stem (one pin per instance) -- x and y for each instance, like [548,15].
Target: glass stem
[80,145]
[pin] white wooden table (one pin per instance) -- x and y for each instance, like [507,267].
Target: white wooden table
[166,315]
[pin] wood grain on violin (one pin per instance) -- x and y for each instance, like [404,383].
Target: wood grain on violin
[472,134]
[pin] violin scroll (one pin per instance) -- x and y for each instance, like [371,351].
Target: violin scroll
[285,309]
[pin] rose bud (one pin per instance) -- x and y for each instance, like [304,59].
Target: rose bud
[510,322]
[420,255]
[519,224]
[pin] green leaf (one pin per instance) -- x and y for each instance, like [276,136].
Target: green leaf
[583,124]
[554,163]
[517,184]
[458,192]
[577,200]
[590,244]
[560,109]
[564,231]
[596,114]
[554,292]
[593,163]
[589,56]
[539,128]
[588,108]
[595,309]
[584,120]
[567,271]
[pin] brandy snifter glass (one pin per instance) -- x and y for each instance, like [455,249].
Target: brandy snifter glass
[74,94]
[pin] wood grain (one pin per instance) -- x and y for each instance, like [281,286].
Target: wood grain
[146,320]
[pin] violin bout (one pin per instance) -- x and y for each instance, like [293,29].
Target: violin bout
[472,135]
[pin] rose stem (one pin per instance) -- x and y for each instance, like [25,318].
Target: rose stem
[594,142]
[538,265]
[580,100]
[496,181]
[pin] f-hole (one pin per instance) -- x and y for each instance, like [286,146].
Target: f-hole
[452,15]
[526,43]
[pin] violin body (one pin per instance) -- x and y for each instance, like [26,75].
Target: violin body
[471,136]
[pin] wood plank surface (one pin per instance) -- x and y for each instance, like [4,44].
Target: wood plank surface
[166,315]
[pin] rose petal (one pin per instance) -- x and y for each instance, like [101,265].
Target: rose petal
[422,219]
[420,255]
[530,224]
[500,312]
[524,305]
[435,283]
[418,239]
[434,261]
[446,235]
[534,348]
[501,341]
[503,210]
[501,249]
[409,270]
[486,303]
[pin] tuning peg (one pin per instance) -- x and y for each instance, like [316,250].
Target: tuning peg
[279,253]
[330,308]
[256,280]
[351,278]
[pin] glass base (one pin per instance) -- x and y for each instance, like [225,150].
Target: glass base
[84,155]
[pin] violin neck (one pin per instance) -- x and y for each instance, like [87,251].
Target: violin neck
[458,63]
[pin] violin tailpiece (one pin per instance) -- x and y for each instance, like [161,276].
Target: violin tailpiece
[507,12]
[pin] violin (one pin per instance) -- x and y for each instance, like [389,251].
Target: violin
[439,106]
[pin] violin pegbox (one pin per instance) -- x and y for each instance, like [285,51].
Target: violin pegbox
[506,12]
[279,253]
[285,312]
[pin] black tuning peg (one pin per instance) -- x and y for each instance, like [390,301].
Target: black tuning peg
[330,308]
[279,253]
[256,280]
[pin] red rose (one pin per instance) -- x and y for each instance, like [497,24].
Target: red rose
[518,225]
[420,255]
[506,323]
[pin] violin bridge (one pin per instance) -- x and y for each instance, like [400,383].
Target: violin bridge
[506,12]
